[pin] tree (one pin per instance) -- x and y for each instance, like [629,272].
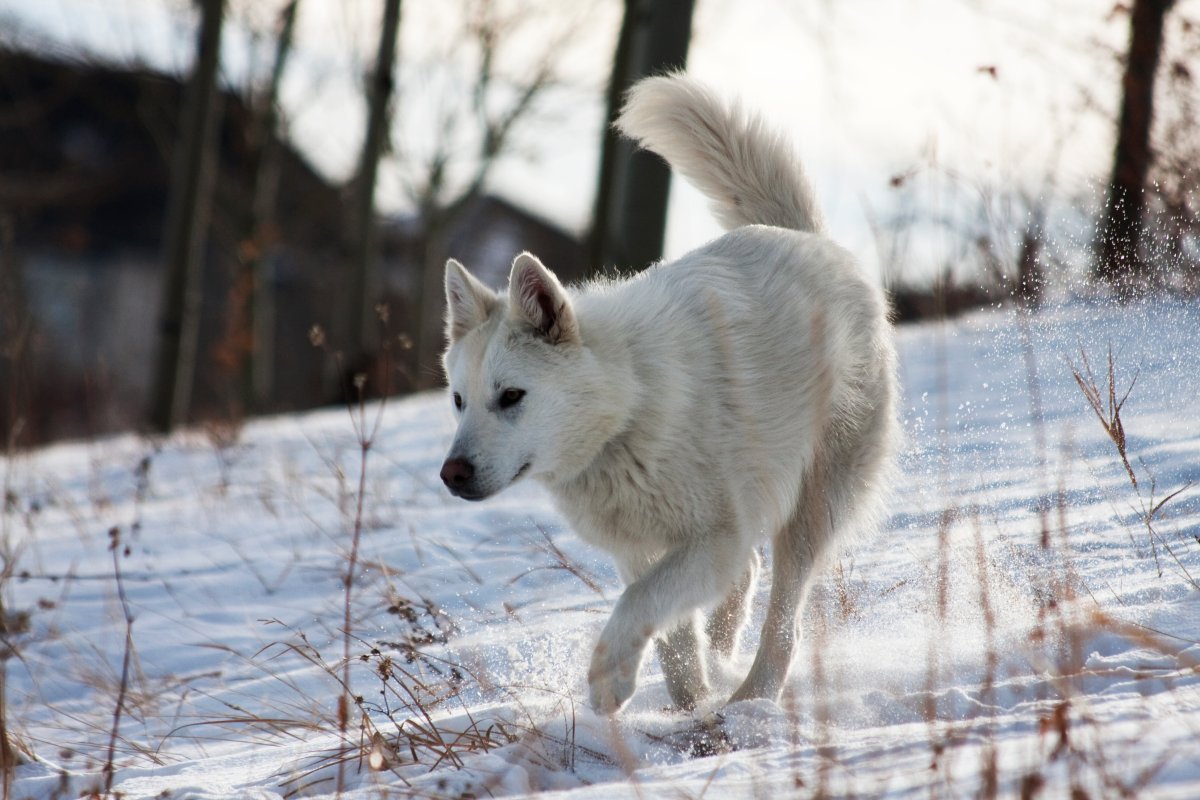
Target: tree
[188,209]
[17,331]
[1120,260]
[1175,197]
[508,82]
[259,376]
[364,290]
[631,199]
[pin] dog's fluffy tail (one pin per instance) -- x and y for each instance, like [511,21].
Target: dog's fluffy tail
[748,171]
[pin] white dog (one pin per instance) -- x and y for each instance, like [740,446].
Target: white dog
[681,416]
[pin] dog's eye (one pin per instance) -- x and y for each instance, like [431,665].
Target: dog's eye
[458,401]
[510,397]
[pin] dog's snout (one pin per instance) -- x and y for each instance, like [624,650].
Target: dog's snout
[457,473]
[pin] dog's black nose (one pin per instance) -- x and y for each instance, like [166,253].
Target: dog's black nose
[457,472]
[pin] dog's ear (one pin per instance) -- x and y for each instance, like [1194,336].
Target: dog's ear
[536,297]
[468,302]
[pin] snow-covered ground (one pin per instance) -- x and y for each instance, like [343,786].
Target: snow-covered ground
[1016,626]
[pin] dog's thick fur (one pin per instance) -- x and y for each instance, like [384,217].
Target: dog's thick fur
[680,417]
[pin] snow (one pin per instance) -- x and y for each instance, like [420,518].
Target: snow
[1013,624]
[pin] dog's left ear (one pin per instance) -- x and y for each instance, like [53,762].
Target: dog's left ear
[536,297]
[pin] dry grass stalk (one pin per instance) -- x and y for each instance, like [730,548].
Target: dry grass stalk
[12,625]
[989,767]
[561,561]
[365,437]
[1104,402]
[117,550]
[365,441]
[1106,406]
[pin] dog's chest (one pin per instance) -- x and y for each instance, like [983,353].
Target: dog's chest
[623,501]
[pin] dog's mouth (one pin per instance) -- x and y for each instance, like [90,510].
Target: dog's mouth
[475,496]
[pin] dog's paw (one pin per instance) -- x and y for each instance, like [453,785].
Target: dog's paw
[608,693]
[612,677]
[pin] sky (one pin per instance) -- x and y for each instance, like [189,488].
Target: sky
[965,98]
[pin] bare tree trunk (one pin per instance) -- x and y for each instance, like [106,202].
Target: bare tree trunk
[260,377]
[429,302]
[16,347]
[364,283]
[1031,279]
[631,199]
[1120,260]
[189,207]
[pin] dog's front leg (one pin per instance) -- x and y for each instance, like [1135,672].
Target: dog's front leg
[615,664]
[682,581]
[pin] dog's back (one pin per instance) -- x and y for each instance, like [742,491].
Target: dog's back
[758,349]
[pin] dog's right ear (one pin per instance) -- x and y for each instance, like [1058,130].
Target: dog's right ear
[468,302]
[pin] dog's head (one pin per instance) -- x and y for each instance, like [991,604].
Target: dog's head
[530,395]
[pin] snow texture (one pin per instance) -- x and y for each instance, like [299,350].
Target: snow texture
[1016,625]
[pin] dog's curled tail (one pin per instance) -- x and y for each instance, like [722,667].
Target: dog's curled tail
[749,172]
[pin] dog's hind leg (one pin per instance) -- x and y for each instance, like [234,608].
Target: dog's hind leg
[727,620]
[681,655]
[795,553]
[841,491]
